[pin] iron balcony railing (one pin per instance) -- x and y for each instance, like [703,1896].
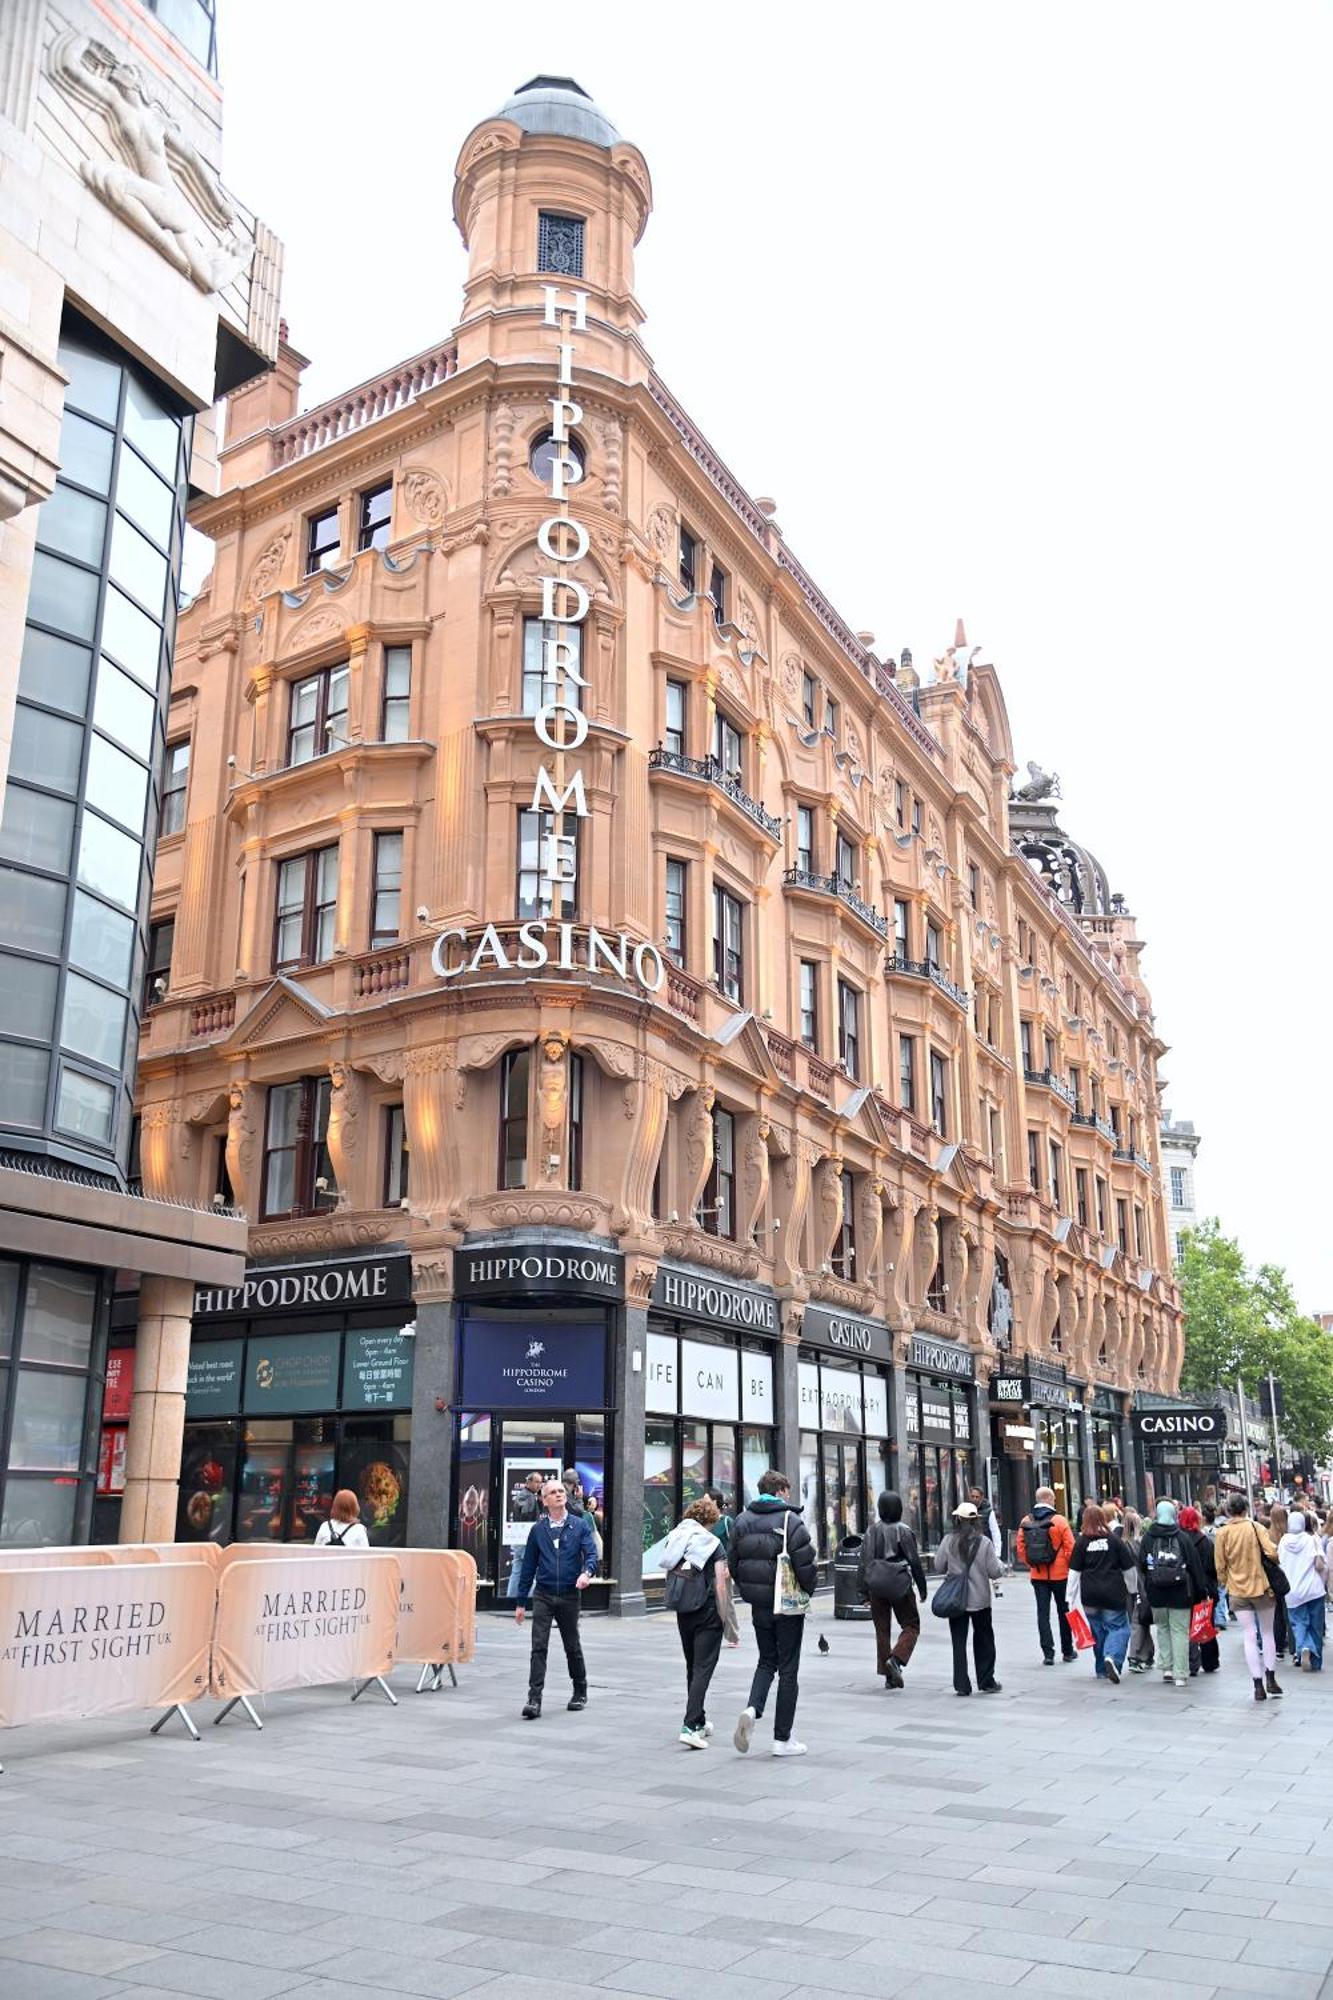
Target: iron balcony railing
[1049,1080]
[922,968]
[710,771]
[834,885]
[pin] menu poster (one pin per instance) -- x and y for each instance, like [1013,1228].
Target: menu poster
[377,1371]
[292,1374]
[119,1390]
[111,1462]
[376,1471]
[213,1384]
[208,1471]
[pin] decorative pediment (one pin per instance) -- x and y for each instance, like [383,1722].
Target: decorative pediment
[744,1038]
[284,1012]
[952,1166]
[862,1112]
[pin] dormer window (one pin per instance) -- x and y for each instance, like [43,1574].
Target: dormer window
[560,244]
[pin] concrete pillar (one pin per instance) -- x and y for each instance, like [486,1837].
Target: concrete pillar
[787,1412]
[624,1556]
[434,1349]
[157,1411]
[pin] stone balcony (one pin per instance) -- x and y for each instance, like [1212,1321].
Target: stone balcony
[708,771]
[834,885]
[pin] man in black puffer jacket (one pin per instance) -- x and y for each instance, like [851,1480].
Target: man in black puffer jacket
[753,1550]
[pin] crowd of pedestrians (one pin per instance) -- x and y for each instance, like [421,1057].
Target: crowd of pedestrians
[1126,1592]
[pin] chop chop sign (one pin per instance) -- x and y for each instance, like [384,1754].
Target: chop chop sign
[561,725]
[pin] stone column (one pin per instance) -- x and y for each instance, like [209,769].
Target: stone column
[434,1349]
[624,1552]
[787,1412]
[157,1411]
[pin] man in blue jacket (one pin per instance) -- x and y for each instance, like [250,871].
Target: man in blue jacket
[561,1556]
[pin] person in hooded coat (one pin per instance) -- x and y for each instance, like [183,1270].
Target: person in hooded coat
[1302,1558]
[889,1541]
[1173,1582]
[693,1548]
[754,1547]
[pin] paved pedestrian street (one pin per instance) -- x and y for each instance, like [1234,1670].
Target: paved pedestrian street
[1061,1837]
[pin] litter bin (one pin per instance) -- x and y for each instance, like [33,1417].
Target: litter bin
[846,1590]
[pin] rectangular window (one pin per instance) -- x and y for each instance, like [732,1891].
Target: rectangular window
[395,1156]
[298,1174]
[689,561]
[1177,1187]
[849,1029]
[317,718]
[973,883]
[1096,1090]
[175,785]
[1048,1049]
[544,856]
[1025,1042]
[1115,1124]
[901,939]
[386,889]
[1122,1224]
[810,700]
[728,944]
[997,1142]
[1138,1231]
[514,1072]
[305,908]
[1081,1194]
[844,863]
[933,946]
[900,803]
[809,1003]
[543,681]
[373,517]
[1034,1162]
[1101,1206]
[805,838]
[719,1203]
[939,1094]
[844,1250]
[395,717]
[916,815]
[726,745]
[673,737]
[907,1072]
[1057,1175]
[576,1121]
[717,590]
[157,969]
[560,243]
[321,540]
[676,879]
[1076,1086]
[832,718]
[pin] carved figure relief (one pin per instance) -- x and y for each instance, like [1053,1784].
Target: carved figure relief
[552,1095]
[870,1230]
[609,433]
[266,570]
[160,185]
[754,1178]
[828,1208]
[662,532]
[424,496]
[344,1127]
[240,1148]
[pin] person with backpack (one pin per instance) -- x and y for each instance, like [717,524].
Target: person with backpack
[1045,1543]
[769,1542]
[1205,1655]
[969,1556]
[343,1529]
[1247,1559]
[1101,1560]
[890,1569]
[1173,1582]
[695,1567]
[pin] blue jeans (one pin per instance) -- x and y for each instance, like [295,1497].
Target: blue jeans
[1110,1636]
[1307,1630]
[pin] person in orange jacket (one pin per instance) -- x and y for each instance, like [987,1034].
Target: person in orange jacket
[1045,1543]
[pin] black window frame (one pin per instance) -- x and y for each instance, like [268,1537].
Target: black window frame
[325,716]
[718,1207]
[907,1074]
[309,1150]
[576,1121]
[843,1259]
[808,1015]
[157,965]
[728,959]
[718,585]
[374,534]
[392,702]
[312,907]
[378,889]
[175,788]
[809,699]
[675,937]
[845,853]
[397,1156]
[687,560]
[939,1093]
[805,838]
[513,1122]
[1034,1160]
[1081,1208]
[316,549]
[532,911]
[902,928]
[725,732]
[673,739]
[849,1029]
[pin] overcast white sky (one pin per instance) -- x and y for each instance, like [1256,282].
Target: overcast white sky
[1022,313]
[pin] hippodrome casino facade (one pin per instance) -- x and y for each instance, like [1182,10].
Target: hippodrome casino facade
[643,1031]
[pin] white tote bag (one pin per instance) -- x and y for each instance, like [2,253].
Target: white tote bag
[789,1600]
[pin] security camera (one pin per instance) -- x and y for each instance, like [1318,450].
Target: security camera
[231,763]
[408,1332]
[423,915]
[404,1202]
[219,1201]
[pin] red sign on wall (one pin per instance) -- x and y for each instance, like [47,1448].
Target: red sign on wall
[119,1386]
[111,1464]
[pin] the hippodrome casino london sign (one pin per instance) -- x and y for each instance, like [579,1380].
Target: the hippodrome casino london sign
[561,724]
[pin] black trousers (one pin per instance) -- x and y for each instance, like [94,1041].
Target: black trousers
[779,1653]
[1044,1590]
[564,1611]
[701,1641]
[983,1648]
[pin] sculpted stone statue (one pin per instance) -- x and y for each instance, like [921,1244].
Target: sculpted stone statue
[1040,785]
[161,186]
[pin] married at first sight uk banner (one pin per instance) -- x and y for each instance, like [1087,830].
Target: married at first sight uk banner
[303,1621]
[86,1639]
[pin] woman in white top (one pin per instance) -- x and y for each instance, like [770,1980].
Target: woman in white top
[1302,1557]
[343,1528]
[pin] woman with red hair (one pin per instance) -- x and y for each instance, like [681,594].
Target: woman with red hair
[1205,1656]
[1099,1561]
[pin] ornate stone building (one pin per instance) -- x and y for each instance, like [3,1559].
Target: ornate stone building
[585,947]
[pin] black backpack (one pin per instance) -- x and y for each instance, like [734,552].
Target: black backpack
[1165,1559]
[888,1573]
[1039,1542]
[687,1588]
[336,1540]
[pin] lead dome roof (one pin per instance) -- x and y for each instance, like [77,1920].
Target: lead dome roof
[558,106]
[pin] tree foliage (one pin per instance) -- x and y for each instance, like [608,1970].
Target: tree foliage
[1245,1324]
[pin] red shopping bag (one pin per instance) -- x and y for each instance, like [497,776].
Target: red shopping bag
[1079,1629]
[1202,1628]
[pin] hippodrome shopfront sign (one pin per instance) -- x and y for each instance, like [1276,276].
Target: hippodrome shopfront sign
[561,724]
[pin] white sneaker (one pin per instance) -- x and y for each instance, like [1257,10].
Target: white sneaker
[694,1739]
[744,1729]
[791,1748]
[708,1729]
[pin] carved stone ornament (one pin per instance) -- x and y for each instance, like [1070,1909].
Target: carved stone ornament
[266,570]
[662,531]
[312,631]
[424,496]
[156,181]
[793,667]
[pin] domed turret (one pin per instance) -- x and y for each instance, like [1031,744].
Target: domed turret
[559,106]
[1074,874]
